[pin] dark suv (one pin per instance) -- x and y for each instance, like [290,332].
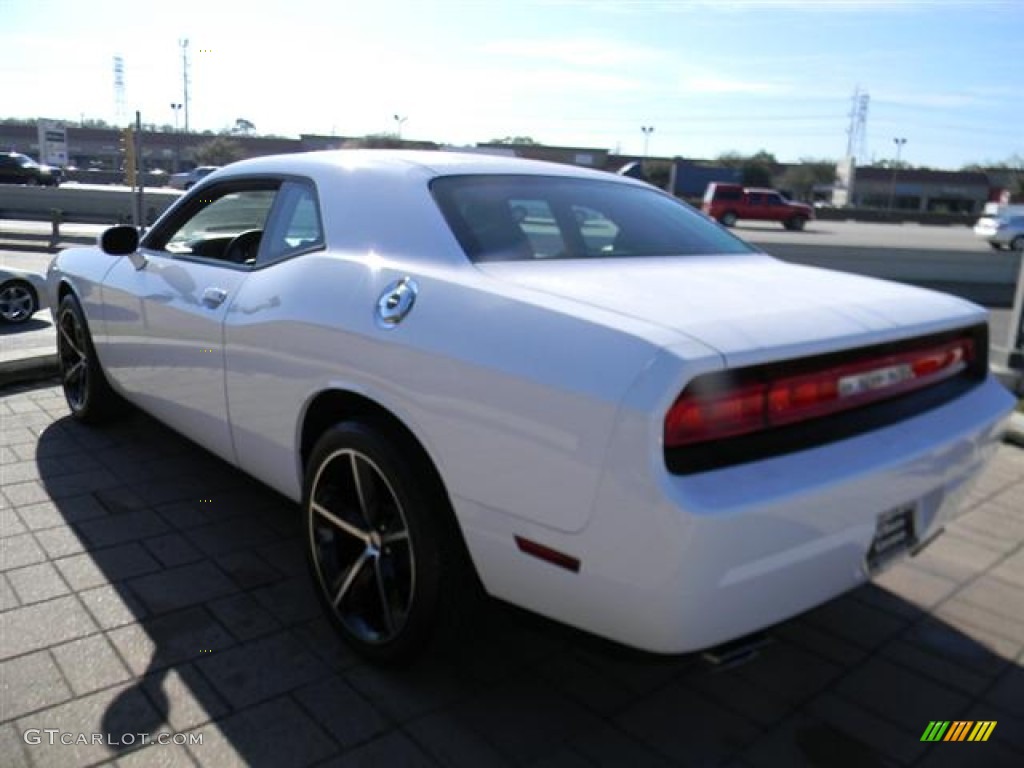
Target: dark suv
[22,169]
[730,202]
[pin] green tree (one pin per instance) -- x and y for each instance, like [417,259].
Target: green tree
[800,180]
[757,168]
[244,127]
[218,151]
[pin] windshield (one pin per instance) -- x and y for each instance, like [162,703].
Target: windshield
[523,218]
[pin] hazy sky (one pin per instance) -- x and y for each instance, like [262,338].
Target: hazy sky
[708,76]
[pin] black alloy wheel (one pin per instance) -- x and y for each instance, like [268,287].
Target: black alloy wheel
[86,390]
[380,543]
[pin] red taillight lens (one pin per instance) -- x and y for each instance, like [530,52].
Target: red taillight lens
[704,413]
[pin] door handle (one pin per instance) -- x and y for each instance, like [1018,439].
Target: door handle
[214,297]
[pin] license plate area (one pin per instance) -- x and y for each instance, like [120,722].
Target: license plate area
[894,535]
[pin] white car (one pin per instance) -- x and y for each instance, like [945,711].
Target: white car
[188,179]
[22,294]
[1004,230]
[629,420]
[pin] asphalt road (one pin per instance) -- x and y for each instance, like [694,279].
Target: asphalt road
[948,258]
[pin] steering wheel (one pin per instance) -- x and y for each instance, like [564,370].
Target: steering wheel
[242,248]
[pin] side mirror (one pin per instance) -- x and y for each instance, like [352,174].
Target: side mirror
[120,240]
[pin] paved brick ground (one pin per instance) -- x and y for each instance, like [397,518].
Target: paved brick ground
[147,587]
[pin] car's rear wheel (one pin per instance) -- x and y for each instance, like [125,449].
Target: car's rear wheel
[32,181]
[995,246]
[384,558]
[796,223]
[1017,244]
[18,302]
[728,219]
[86,389]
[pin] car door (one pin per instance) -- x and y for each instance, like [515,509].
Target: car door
[165,307]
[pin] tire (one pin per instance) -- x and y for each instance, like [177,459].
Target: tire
[796,224]
[86,389]
[383,548]
[1017,244]
[189,185]
[18,302]
[32,181]
[728,219]
[995,246]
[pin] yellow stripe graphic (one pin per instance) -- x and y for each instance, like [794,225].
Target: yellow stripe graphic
[990,726]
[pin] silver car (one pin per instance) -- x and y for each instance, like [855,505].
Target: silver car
[189,179]
[1002,231]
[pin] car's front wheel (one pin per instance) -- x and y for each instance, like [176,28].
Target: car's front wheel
[86,389]
[995,246]
[382,549]
[796,223]
[1017,244]
[728,219]
[17,302]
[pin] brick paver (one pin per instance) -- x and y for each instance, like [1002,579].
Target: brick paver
[148,588]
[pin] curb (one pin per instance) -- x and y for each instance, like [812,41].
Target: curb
[28,368]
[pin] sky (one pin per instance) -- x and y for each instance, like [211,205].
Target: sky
[708,76]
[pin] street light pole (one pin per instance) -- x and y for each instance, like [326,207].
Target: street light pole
[401,121]
[647,131]
[177,139]
[899,142]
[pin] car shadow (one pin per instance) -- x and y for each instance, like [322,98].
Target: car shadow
[36,323]
[195,575]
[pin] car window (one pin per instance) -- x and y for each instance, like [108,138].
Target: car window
[773,200]
[517,218]
[756,198]
[536,220]
[208,224]
[295,225]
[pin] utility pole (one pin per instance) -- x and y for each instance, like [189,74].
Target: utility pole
[183,42]
[899,142]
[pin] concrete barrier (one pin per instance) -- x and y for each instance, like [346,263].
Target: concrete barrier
[88,204]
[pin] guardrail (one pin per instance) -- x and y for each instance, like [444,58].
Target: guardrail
[94,205]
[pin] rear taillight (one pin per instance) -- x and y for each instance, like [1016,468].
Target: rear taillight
[716,407]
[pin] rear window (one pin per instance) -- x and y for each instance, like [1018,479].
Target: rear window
[524,218]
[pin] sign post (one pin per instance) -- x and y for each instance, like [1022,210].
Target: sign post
[53,143]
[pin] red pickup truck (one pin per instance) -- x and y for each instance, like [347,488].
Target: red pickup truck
[730,202]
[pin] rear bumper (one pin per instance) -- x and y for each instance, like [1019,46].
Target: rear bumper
[673,564]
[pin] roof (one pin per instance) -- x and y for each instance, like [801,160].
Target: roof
[924,176]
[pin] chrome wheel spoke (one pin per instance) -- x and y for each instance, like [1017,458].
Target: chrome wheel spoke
[70,342]
[395,537]
[350,577]
[364,486]
[385,605]
[75,370]
[340,524]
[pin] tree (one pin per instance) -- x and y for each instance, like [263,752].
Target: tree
[520,140]
[243,127]
[757,168]
[801,179]
[218,151]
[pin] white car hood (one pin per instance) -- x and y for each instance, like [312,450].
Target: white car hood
[750,308]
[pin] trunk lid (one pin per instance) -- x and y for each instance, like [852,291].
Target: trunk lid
[750,308]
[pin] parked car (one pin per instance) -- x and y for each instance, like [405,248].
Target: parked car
[22,294]
[629,421]
[1003,230]
[16,168]
[189,179]
[728,203]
